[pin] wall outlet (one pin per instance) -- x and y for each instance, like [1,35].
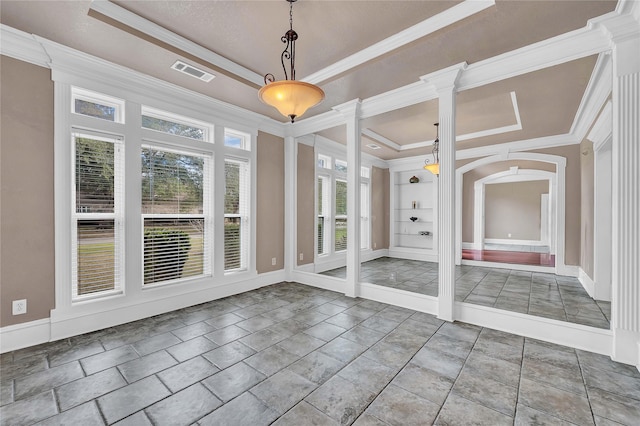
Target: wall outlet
[375,245]
[509,235]
[19,307]
[273,261]
[301,256]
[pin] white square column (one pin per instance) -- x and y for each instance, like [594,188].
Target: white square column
[351,113]
[445,84]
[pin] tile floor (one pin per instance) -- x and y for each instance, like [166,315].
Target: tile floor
[290,354]
[534,293]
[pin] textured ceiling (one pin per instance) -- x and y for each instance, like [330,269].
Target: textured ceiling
[248,33]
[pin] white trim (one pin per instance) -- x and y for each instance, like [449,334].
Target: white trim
[137,22]
[320,281]
[428,255]
[22,46]
[397,297]
[587,282]
[532,243]
[513,266]
[559,332]
[73,324]
[595,95]
[430,25]
[517,146]
[602,129]
[18,336]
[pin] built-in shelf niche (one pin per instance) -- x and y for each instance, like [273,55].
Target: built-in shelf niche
[413,239]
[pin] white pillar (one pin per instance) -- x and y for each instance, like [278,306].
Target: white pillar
[626,200]
[351,112]
[444,82]
[290,209]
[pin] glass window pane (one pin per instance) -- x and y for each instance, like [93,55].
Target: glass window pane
[324,162]
[94,174]
[341,197]
[341,166]
[95,263]
[171,182]
[173,128]
[96,110]
[173,249]
[341,234]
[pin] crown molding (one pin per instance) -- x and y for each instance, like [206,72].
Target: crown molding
[76,68]
[518,146]
[602,128]
[137,22]
[430,25]
[595,95]
[553,51]
[446,78]
[381,139]
[22,46]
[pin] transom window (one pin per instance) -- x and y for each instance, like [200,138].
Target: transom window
[173,124]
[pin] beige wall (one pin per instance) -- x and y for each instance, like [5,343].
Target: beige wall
[379,208]
[306,203]
[586,206]
[270,203]
[26,190]
[572,198]
[514,208]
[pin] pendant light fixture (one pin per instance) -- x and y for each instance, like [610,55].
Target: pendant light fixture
[435,166]
[292,98]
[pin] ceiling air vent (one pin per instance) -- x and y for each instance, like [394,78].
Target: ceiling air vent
[192,71]
[373,146]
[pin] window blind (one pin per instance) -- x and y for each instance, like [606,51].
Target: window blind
[97,260]
[341,215]
[236,214]
[323,210]
[176,214]
[364,215]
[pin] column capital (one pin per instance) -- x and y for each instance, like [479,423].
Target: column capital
[446,78]
[620,27]
[349,109]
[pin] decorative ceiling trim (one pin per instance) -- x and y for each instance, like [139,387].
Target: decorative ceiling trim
[594,97]
[381,139]
[602,128]
[22,46]
[137,22]
[518,146]
[430,25]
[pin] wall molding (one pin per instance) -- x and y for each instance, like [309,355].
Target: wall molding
[23,335]
[533,243]
[559,332]
[62,326]
[587,282]
[404,299]
[513,266]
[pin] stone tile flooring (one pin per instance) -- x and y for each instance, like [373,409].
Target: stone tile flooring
[290,354]
[534,293]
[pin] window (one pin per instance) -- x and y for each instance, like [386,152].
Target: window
[364,172]
[173,124]
[97,105]
[175,214]
[341,166]
[324,188]
[324,162]
[236,214]
[97,240]
[235,139]
[341,215]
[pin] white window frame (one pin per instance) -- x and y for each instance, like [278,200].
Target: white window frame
[100,99]
[207,128]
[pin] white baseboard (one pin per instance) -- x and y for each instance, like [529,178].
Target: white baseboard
[401,298]
[514,266]
[567,270]
[562,333]
[338,261]
[60,326]
[511,242]
[321,281]
[13,337]
[413,254]
[468,246]
[587,282]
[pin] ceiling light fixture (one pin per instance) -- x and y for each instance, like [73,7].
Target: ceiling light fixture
[435,166]
[292,98]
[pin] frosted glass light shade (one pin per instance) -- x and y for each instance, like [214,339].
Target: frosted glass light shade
[291,98]
[433,168]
